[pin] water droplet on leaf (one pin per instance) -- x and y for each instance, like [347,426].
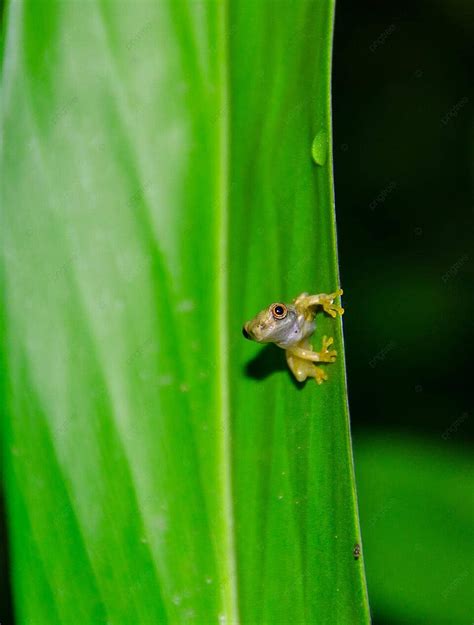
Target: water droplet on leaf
[319,149]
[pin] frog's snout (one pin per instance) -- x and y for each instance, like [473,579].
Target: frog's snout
[254,332]
[245,332]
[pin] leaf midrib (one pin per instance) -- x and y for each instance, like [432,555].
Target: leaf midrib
[229,566]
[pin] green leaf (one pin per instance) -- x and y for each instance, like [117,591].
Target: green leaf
[160,190]
[417,524]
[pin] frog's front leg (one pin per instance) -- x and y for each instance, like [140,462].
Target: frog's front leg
[301,359]
[306,304]
[303,369]
[304,351]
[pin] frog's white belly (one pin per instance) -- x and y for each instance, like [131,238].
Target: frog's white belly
[301,329]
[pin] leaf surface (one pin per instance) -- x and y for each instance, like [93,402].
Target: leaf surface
[160,190]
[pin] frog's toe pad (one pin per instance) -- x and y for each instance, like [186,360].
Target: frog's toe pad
[320,375]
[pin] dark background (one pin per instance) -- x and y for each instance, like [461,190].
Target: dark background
[403,138]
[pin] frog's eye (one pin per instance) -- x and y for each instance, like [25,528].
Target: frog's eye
[279,311]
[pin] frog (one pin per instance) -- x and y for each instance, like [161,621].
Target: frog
[289,326]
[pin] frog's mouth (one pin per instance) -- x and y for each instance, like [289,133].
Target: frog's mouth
[257,333]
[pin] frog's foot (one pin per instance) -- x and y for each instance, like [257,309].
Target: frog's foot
[327,355]
[307,304]
[319,375]
[327,302]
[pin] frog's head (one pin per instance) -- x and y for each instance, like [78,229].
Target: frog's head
[276,324]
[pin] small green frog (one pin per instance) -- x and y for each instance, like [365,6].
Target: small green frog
[290,325]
